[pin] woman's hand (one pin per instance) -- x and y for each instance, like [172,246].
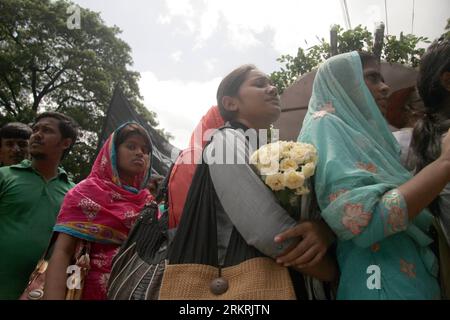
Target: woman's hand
[316,237]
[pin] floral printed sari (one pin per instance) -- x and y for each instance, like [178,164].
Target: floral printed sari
[102,210]
[381,253]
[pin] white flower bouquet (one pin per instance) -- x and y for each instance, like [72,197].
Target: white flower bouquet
[285,167]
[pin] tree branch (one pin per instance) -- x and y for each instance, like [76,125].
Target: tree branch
[33,83]
[60,85]
[12,92]
[7,105]
[45,89]
[61,103]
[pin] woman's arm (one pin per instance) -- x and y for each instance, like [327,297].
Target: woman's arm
[428,183]
[425,186]
[351,218]
[56,277]
[248,203]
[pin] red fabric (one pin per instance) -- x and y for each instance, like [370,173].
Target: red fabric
[185,165]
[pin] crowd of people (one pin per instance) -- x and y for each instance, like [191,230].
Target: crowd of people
[375,201]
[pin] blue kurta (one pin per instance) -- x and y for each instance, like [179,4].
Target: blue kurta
[381,253]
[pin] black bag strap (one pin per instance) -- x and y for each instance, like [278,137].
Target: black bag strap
[163,190]
[48,251]
[202,248]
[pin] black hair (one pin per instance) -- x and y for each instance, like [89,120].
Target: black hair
[15,130]
[433,64]
[229,86]
[428,131]
[67,127]
[129,130]
[367,58]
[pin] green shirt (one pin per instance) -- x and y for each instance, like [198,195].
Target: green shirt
[28,209]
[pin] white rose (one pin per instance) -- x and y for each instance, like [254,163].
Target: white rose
[254,158]
[265,160]
[261,159]
[298,155]
[275,181]
[308,169]
[303,152]
[269,169]
[285,147]
[274,151]
[293,179]
[288,164]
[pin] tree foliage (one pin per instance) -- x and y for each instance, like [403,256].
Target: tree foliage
[446,34]
[45,65]
[403,49]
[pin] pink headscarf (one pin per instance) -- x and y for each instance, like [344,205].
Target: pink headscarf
[100,208]
[185,165]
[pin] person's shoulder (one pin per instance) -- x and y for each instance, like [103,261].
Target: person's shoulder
[4,169]
[14,169]
[70,183]
[24,164]
[4,172]
[324,124]
[9,176]
[65,177]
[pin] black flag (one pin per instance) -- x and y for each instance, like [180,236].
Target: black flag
[120,111]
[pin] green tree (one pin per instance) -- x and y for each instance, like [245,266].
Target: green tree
[402,50]
[46,64]
[446,34]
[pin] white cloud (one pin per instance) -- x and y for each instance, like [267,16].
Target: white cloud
[176,56]
[210,64]
[374,17]
[208,23]
[164,19]
[291,20]
[180,7]
[179,105]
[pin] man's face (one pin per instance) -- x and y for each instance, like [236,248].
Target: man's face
[46,140]
[375,82]
[13,150]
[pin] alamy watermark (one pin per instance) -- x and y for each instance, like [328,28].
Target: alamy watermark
[74,280]
[374,280]
[74,20]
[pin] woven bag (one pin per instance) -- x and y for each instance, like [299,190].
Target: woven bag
[254,279]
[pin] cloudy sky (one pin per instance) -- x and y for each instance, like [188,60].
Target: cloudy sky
[183,48]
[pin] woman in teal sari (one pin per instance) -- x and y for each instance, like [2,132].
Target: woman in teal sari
[374,205]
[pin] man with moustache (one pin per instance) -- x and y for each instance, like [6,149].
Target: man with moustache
[31,193]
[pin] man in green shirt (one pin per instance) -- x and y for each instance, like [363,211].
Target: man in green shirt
[31,193]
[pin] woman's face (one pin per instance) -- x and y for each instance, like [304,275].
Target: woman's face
[375,82]
[133,156]
[257,103]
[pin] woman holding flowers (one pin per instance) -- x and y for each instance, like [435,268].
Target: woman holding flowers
[374,205]
[250,104]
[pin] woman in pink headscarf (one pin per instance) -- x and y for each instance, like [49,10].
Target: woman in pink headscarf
[101,210]
[185,165]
